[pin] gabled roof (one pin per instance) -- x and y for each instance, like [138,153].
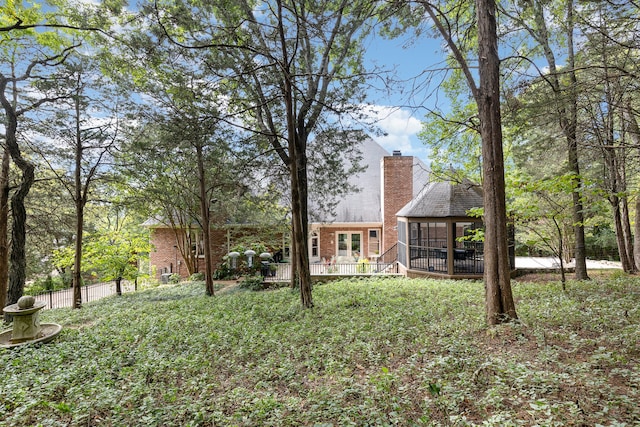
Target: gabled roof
[444,199]
[365,205]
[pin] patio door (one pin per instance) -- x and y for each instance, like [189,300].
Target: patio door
[349,245]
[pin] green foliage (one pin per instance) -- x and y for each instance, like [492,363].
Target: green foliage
[43,284]
[62,258]
[363,265]
[114,254]
[196,277]
[454,144]
[224,272]
[175,278]
[372,352]
[242,262]
[253,283]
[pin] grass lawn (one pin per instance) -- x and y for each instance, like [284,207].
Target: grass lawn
[372,352]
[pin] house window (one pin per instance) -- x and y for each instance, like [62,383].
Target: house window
[374,242]
[314,247]
[349,244]
[196,239]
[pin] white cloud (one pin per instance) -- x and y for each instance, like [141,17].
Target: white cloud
[400,130]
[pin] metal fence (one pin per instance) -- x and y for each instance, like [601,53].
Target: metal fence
[64,298]
[467,260]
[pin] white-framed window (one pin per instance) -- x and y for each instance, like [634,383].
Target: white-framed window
[314,246]
[374,242]
[349,244]
[195,238]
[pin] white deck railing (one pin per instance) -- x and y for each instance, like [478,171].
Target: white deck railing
[282,272]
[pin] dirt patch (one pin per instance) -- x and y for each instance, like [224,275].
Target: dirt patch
[224,286]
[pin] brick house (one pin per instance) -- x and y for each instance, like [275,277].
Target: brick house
[364,224]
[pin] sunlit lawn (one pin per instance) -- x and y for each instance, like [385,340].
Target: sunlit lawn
[372,352]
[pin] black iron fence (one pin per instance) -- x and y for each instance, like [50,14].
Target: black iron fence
[64,298]
[467,260]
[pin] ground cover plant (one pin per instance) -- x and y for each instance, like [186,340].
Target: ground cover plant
[372,352]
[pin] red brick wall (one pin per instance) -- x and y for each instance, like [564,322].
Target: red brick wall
[163,253]
[397,191]
[327,243]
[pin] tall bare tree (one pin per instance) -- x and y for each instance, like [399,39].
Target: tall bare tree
[499,303]
[13,112]
[563,82]
[85,134]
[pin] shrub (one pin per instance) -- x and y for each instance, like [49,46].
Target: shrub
[253,283]
[363,265]
[175,278]
[196,277]
[44,284]
[223,272]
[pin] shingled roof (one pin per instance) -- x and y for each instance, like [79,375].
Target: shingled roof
[365,205]
[444,199]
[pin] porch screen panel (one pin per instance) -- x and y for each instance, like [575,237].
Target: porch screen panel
[437,246]
[469,253]
[402,243]
[414,232]
[437,235]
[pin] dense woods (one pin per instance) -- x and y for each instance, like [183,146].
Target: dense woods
[198,112]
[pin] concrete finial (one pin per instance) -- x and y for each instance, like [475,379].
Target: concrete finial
[26,301]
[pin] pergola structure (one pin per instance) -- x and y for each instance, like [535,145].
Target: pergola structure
[436,235]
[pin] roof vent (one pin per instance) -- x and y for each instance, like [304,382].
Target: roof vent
[397,153]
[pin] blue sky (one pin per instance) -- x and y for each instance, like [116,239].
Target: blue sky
[400,111]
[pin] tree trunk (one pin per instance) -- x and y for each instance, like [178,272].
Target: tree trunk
[4,227]
[181,231]
[500,306]
[76,281]
[302,244]
[617,221]
[626,232]
[634,133]
[567,107]
[569,124]
[636,230]
[119,286]
[570,128]
[80,203]
[17,258]
[563,276]
[297,146]
[300,260]
[615,188]
[580,249]
[206,223]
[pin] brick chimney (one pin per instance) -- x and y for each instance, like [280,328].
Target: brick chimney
[397,191]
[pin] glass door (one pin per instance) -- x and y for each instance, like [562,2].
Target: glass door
[350,245]
[343,244]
